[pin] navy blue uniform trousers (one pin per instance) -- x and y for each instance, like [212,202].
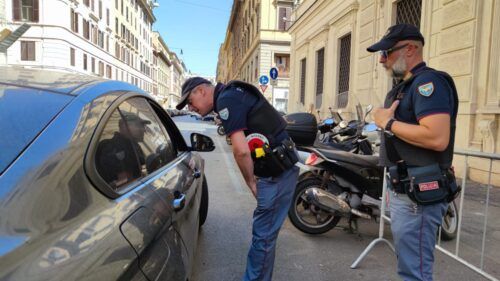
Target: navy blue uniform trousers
[274,197]
[414,230]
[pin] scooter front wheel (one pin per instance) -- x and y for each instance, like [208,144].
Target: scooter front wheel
[307,217]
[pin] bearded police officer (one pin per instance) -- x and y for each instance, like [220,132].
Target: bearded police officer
[418,117]
[264,153]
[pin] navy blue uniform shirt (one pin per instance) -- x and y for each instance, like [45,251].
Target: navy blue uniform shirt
[429,93]
[233,105]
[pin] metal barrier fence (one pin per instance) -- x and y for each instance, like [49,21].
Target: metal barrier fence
[453,254]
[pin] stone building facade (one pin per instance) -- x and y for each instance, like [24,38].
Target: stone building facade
[107,38]
[257,40]
[331,67]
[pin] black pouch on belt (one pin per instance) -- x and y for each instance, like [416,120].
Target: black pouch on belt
[394,179]
[290,151]
[428,185]
[269,165]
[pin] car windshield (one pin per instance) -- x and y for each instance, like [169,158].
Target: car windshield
[23,115]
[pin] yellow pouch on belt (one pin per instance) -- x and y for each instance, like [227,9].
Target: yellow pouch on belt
[259,152]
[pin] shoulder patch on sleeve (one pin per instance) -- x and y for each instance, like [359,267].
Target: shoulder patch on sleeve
[426,89]
[224,114]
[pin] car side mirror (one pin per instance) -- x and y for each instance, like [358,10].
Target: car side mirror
[200,142]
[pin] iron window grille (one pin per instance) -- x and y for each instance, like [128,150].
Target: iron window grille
[409,11]
[303,80]
[344,70]
[320,67]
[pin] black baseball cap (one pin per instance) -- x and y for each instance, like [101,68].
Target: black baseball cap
[395,34]
[187,87]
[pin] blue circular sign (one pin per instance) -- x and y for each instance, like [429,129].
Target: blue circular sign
[273,73]
[264,80]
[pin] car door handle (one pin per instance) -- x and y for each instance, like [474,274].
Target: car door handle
[196,173]
[179,202]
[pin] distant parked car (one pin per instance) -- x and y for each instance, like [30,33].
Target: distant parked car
[96,182]
[172,112]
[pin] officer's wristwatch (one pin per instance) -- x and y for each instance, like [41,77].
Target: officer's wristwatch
[389,125]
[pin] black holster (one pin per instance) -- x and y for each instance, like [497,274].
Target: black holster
[276,161]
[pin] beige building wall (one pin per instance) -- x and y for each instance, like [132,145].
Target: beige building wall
[462,38]
[177,77]
[162,70]
[110,39]
[255,41]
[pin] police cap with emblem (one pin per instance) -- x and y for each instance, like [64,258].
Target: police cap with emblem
[395,34]
[187,87]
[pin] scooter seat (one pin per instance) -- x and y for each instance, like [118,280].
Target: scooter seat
[344,156]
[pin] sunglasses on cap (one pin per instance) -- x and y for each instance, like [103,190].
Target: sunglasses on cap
[385,53]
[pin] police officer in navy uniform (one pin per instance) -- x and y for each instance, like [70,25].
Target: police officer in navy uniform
[264,153]
[419,118]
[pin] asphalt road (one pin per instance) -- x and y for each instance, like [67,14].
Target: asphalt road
[226,235]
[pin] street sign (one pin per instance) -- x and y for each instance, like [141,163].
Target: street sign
[263,88]
[273,73]
[264,80]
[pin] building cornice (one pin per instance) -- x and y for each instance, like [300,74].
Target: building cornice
[354,6]
[148,9]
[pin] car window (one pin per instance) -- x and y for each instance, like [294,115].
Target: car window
[24,113]
[116,160]
[132,145]
[156,146]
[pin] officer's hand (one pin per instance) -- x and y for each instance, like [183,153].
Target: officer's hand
[253,188]
[382,115]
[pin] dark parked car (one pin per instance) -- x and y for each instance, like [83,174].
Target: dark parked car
[96,182]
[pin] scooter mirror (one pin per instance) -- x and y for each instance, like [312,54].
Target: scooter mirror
[371,127]
[329,121]
[368,109]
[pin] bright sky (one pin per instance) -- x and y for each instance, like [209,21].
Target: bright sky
[198,27]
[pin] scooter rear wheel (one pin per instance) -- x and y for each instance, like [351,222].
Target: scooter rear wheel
[307,217]
[220,130]
[449,227]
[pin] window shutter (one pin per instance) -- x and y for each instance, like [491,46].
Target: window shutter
[31,50]
[16,9]
[100,9]
[76,22]
[35,10]
[281,21]
[288,17]
[72,56]
[24,51]
[72,20]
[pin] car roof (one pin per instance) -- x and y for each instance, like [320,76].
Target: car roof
[45,79]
